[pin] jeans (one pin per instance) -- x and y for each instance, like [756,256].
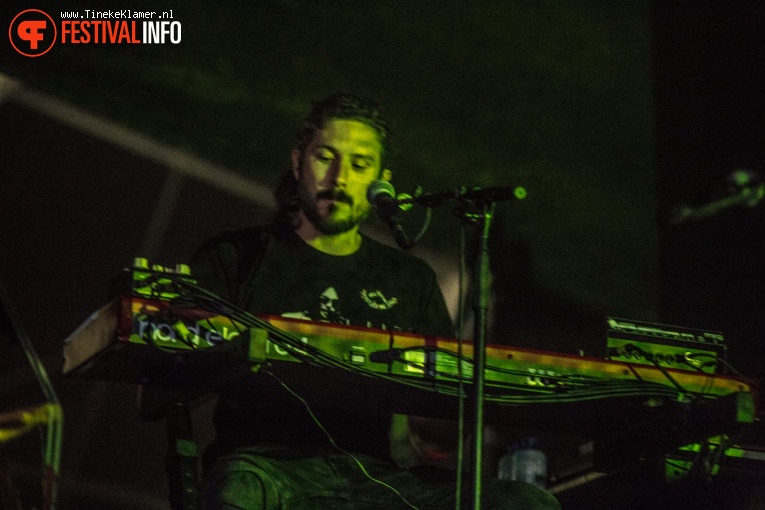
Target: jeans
[268,478]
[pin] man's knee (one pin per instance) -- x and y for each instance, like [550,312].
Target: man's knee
[235,488]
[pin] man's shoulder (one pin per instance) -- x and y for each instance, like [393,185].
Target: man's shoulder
[385,254]
[241,239]
[236,249]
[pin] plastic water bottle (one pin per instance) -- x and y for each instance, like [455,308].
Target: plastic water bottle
[524,462]
[505,467]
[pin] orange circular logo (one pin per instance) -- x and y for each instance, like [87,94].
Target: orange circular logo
[32,33]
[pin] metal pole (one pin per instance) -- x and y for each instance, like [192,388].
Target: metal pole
[479,348]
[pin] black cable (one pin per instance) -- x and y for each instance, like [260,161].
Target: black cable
[425,225]
[560,380]
[729,366]
[565,388]
[334,444]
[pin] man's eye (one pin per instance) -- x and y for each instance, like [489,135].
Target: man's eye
[324,158]
[361,165]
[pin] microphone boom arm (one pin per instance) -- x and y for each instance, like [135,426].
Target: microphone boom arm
[476,196]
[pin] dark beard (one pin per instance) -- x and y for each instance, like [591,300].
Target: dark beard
[327,226]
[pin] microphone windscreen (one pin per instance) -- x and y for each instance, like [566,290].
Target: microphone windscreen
[378,188]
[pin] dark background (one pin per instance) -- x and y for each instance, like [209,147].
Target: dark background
[611,114]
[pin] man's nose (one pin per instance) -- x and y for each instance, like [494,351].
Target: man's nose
[339,172]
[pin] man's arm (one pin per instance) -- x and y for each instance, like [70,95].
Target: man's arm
[211,267]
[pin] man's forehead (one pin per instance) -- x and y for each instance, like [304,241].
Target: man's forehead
[342,133]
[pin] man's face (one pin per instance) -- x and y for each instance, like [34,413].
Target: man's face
[334,172]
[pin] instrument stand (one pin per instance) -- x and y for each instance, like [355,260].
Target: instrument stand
[182,462]
[49,414]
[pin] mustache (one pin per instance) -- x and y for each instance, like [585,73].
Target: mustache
[336,194]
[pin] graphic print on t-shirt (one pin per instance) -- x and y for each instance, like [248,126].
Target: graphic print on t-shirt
[376,300]
[328,309]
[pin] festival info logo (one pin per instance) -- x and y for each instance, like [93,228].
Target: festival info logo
[32,33]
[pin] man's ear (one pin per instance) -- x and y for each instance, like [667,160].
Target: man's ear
[295,156]
[386,175]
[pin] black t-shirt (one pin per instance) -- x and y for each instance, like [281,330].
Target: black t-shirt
[270,271]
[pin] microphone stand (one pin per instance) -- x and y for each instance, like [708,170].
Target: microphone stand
[485,200]
[481,308]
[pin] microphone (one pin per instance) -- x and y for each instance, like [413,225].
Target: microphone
[745,189]
[382,196]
